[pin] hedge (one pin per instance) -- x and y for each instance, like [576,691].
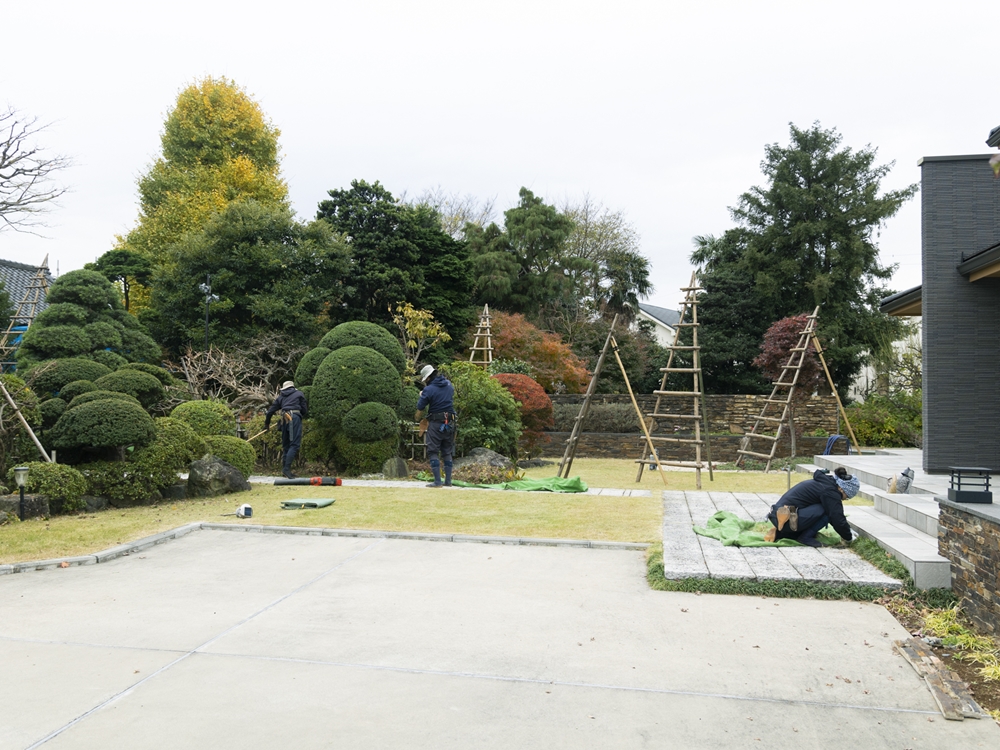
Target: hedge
[370,422]
[206,417]
[310,362]
[124,483]
[233,451]
[71,390]
[49,377]
[52,409]
[141,385]
[350,376]
[363,458]
[63,485]
[98,395]
[361,333]
[105,423]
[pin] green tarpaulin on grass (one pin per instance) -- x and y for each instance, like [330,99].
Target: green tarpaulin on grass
[733,531]
[300,504]
[553,484]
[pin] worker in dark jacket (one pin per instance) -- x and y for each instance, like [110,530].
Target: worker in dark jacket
[291,402]
[809,506]
[437,400]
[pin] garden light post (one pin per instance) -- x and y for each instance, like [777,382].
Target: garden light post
[21,477]
[209,299]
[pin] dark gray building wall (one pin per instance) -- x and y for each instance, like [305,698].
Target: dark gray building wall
[961,319]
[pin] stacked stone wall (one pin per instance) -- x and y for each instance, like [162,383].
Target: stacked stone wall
[969,536]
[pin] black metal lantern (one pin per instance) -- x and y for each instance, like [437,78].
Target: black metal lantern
[970,484]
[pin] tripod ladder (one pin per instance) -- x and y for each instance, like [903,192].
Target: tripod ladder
[482,345]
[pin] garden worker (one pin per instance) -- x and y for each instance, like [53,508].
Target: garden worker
[437,400]
[291,402]
[809,506]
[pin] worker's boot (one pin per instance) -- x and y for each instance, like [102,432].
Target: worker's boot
[447,473]
[782,514]
[770,534]
[793,518]
[436,471]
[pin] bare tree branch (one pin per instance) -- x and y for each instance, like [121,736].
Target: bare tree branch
[25,173]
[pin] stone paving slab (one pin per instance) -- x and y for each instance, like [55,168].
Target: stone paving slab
[689,555]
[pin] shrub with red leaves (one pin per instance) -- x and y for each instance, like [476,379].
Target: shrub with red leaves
[536,409]
[776,350]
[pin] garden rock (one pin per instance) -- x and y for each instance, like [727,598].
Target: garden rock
[483,457]
[175,492]
[395,468]
[95,502]
[212,476]
[35,506]
[3,518]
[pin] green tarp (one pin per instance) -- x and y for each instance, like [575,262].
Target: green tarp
[553,484]
[733,531]
[299,504]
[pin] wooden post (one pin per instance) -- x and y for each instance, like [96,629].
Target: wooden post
[638,411]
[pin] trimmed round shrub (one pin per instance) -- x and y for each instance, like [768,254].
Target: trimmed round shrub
[350,376]
[109,359]
[48,378]
[124,483]
[62,314]
[206,417]
[106,423]
[362,333]
[52,342]
[142,385]
[509,366]
[63,485]
[233,451]
[104,335]
[157,372]
[363,458]
[71,390]
[176,445]
[51,409]
[310,362]
[370,422]
[138,346]
[85,288]
[99,395]
[408,402]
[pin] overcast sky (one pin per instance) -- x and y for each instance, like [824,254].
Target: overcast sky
[658,109]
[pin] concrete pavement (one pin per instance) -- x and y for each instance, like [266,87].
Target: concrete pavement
[242,640]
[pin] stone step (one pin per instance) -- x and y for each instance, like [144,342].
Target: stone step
[918,511]
[917,550]
[872,470]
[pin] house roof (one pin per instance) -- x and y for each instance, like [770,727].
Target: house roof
[16,277]
[661,314]
[982,264]
[909,302]
[994,138]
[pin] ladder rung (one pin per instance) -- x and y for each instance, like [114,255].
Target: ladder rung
[770,419]
[685,348]
[675,440]
[762,436]
[768,456]
[683,325]
[783,385]
[672,416]
[690,289]
[677,393]
[680,369]
[773,401]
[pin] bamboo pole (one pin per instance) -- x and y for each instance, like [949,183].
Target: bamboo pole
[638,411]
[840,405]
[24,422]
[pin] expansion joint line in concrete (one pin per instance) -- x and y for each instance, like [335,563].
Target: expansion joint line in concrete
[127,691]
[574,684]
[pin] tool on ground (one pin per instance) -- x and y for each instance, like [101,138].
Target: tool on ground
[314,481]
[244,511]
[300,504]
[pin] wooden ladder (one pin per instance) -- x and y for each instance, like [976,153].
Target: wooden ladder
[698,416]
[483,341]
[24,314]
[782,393]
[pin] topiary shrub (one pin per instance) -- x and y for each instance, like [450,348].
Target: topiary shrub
[109,359]
[86,398]
[71,390]
[350,376]
[62,314]
[308,365]
[206,417]
[363,458]
[124,483]
[535,406]
[157,372]
[63,485]
[509,366]
[49,377]
[362,333]
[52,342]
[88,289]
[106,423]
[233,451]
[143,386]
[488,415]
[104,335]
[408,402]
[176,445]
[370,422]
[51,410]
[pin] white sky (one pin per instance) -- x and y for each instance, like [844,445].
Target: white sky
[658,109]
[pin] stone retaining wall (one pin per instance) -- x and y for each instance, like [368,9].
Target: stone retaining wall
[629,445]
[725,412]
[969,536]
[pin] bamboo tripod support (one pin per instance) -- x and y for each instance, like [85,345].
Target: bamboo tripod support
[24,314]
[609,344]
[24,423]
[699,413]
[787,382]
[483,342]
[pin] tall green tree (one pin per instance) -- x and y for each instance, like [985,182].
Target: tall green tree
[126,269]
[806,238]
[399,253]
[269,272]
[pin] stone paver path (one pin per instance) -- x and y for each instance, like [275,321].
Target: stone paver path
[688,555]
[403,483]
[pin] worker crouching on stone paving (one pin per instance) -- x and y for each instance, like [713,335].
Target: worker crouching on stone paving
[291,402]
[809,506]
[437,401]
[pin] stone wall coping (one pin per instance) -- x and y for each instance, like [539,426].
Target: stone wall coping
[986,511]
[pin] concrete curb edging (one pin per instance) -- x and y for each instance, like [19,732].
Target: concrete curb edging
[123,550]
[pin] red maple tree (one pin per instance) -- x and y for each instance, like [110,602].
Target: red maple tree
[536,409]
[554,365]
[776,350]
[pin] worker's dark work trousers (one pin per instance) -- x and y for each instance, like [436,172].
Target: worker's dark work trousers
[291,439]
[812,520]
[440,439]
